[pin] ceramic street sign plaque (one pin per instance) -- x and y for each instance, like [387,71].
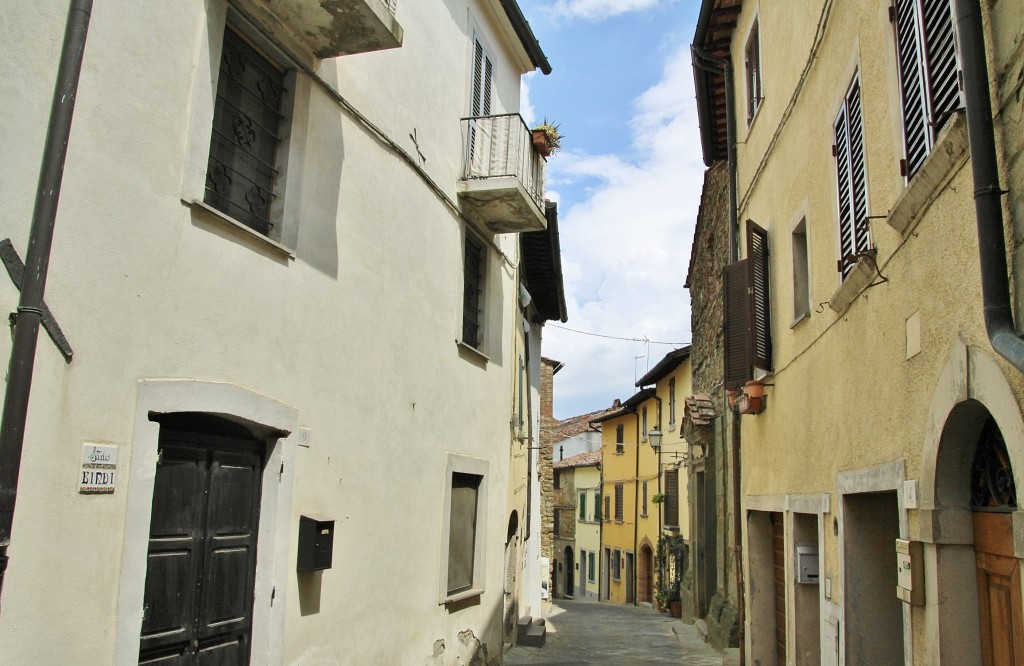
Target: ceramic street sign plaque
[99,468]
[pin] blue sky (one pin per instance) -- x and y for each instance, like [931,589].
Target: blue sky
[628,185]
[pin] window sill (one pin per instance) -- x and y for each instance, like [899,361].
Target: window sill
[462,596]
[620,453]
[238,226]
[857,281]
[671,528]
[948,155]
[473,351]
[799,318]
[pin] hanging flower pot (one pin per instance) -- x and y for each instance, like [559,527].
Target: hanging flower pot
[755,389]
[734,395]
[546,138]
[540,142]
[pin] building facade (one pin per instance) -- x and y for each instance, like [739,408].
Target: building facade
[305,315]
[577,536]
[872,156]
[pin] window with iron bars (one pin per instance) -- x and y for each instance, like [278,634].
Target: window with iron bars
[248,117]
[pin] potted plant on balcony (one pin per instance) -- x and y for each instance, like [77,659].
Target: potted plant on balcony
[658,498]
[546,138]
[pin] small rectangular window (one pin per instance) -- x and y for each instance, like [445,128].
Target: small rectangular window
[801,273]
[607,505]
[618,502]
[557,523]
[620,436]
[472,291]
[557,478]
[643,429]
[591,567]
[616,566]
[672,498]
[672,402]
[597,506]
[643,507]
[583,507]
[462,531]
[752,64]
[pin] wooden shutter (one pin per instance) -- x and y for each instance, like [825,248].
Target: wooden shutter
[912,83]
[929,75]
[672,498]
[757,253]
[851,179]
[738,341]
[941,66]
[618,502]
[483,72]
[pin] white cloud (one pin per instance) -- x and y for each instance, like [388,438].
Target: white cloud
[597,10]
[626,247]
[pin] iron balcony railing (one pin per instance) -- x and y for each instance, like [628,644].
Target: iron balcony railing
[502,147]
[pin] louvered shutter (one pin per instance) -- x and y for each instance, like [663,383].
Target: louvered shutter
[929,81]
[912,83]
[851,180]
[483,73]
[942,70]
[757,253]
[672,498]
[738,340]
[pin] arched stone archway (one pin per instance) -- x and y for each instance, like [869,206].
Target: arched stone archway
[972,402]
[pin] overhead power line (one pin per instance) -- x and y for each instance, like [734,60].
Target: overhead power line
[618,337]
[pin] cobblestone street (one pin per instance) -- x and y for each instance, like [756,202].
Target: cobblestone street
[581,632]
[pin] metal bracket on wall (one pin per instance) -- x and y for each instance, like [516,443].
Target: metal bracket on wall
[16,269]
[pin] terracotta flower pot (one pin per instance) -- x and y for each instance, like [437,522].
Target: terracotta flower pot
[755,389]
[540,142]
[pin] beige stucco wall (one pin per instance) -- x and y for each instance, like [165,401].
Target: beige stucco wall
[851,390]
[356,333]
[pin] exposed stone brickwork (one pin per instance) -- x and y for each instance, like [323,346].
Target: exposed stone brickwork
[545,461]
[709,255]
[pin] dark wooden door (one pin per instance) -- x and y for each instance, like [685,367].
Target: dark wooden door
[999,595]
[779,559]
[202,551]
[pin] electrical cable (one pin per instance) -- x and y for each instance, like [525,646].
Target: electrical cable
[616,337]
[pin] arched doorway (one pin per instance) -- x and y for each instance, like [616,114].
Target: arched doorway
[646,574]
[511,609]
[570,579]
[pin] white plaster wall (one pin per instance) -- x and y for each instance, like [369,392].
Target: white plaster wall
[356,333]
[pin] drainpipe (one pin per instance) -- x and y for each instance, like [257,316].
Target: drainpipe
[636,509]
[995,281]
[37,260]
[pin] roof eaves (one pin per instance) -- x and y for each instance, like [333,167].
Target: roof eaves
[526,36]
[666,365]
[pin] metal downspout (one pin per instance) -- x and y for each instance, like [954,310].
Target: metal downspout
[29,313]
[995,281]
[636,509]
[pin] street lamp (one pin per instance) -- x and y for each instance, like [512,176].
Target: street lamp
[654,435]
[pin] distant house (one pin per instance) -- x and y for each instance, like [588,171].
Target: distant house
[577,544]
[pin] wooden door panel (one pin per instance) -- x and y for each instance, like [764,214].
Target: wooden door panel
[228,651]
[999,593]
[173,559]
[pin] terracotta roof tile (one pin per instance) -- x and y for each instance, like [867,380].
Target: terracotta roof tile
[580,460]
[700,409]
[575,425]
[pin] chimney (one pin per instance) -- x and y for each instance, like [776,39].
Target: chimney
[548,367]
[617,404]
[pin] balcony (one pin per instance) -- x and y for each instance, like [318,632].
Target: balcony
[332,28]
[502,178]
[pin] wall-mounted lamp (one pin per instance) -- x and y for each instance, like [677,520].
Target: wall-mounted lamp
[654,437]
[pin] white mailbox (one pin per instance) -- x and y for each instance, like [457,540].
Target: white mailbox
[807,563]
[910,572]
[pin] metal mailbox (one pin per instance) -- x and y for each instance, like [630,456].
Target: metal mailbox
[807,563]
[316,544]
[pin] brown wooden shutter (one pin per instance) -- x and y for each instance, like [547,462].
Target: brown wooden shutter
[672,498]
[757,253]
[618,502]
[739,352]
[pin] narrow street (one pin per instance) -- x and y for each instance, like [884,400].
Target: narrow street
[582,632]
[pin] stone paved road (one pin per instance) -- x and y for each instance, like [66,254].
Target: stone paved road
[583,633]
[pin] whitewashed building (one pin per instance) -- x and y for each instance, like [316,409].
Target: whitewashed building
[297,423]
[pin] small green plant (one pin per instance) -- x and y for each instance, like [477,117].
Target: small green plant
[658,498]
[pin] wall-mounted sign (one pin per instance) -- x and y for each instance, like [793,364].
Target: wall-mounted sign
[99,469]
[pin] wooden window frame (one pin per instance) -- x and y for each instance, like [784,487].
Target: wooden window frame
[620,436]
[473,290]
[752,68]
[470,467]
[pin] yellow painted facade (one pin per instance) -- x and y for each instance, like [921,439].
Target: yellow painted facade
[877,394]
[588,529]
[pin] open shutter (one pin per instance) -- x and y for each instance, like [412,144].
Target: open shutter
[738,339]
[858,170]
[757,253]
[842,151]
[942,70]
[912,83]
[672,498]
